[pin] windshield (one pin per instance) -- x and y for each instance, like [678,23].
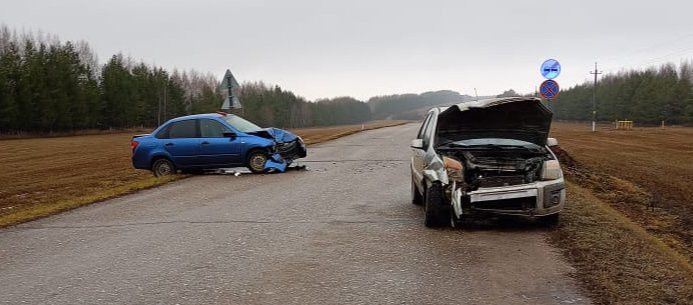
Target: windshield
[242,124]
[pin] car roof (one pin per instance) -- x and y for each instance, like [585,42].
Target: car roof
[199,116]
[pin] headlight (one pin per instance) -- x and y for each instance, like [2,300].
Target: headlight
[454,168]
[551,170]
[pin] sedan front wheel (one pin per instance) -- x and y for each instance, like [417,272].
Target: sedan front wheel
[256,161]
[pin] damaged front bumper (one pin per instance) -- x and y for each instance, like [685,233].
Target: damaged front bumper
[540,198]
[292,150]
[285,153]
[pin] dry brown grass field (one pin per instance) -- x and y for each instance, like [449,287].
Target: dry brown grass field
[43,176]
[646,173]
[627,226]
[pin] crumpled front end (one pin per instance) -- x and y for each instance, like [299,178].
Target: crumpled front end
[288,145]
[527,191]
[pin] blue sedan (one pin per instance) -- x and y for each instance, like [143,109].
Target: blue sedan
[215,140]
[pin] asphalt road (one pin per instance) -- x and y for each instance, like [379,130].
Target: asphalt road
[342,232]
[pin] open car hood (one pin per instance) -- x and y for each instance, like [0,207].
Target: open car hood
[519,118]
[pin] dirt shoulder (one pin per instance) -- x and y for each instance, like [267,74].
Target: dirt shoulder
[44,176]
[616,260]
[627,225]
[645,174]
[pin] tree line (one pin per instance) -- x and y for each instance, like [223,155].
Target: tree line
[272,106]
[47,85]
[663,93]
[412,106]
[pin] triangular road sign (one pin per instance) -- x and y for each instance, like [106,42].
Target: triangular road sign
[229,87]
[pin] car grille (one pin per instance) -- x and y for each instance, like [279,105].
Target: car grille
[495,181]
[513,204]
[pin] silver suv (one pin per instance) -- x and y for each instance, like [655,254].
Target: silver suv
[487,157]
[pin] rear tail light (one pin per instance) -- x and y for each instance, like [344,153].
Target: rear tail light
[133,145]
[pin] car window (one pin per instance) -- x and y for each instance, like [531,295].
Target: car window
[183,129]
[163,133]
[241,124]
[423,127]
[427,131]
[212,129]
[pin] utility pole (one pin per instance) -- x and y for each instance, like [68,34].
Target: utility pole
[594,98]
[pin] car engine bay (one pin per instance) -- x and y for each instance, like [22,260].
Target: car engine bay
[493,167]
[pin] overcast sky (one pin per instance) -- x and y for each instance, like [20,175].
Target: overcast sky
[365,48]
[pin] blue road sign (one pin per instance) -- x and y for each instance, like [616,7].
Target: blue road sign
[549,89]
[550,69]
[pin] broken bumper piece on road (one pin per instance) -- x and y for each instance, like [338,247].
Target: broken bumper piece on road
[276,164]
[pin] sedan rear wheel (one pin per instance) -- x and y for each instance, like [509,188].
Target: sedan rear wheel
[163,167]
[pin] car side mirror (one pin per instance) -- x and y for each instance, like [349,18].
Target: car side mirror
[417,143]
[229,134]
[551,142]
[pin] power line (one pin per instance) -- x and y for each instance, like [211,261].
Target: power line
[639,63]
[651,47]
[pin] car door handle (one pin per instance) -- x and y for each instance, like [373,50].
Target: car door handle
[205,143]
[169,144]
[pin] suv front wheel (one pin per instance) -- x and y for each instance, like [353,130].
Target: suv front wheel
[435,210]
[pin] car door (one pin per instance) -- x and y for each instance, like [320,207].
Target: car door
[215,148]
[417,160]
[180,139]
